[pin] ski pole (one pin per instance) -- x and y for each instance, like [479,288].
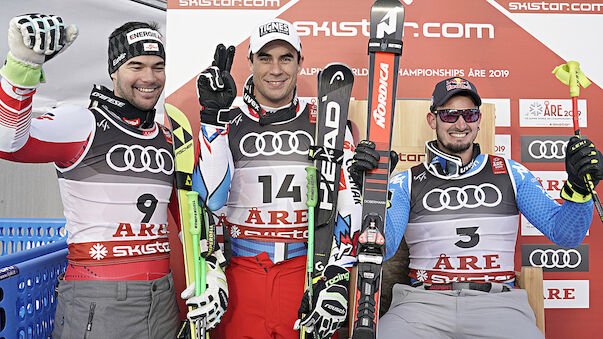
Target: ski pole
[311,203]
[570,74]
[199,262]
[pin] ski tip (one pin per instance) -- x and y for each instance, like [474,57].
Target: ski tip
[335,75]
[337,64]
[171,108]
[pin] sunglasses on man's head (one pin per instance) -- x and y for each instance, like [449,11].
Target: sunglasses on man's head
[452,115]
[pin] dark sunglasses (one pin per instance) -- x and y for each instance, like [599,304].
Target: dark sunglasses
[452,115]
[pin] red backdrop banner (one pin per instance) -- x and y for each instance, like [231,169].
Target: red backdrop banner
[508,49]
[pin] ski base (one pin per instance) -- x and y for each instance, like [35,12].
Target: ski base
[385,48]
[184,159]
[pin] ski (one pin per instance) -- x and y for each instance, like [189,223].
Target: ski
[190,218]
[385,48]
[335,83]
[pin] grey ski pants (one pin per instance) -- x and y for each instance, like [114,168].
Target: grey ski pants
[116,309]
[419,313]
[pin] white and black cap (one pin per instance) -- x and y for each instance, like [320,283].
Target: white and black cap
[274,29]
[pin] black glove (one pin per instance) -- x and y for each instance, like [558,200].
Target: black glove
[329,301]
[366,159]
[581,158]
[216,89]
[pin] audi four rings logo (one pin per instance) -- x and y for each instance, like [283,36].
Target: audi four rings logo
[555,258]
[470,196]
[547,149]
[559,258]
[543,148]
[270,143]
[138,159]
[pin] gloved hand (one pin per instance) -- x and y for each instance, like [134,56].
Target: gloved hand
[329,303]
[581,158]
[216,89]
[366,158]
[34,39]
[212,303]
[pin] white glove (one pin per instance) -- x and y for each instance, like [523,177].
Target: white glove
[36,38]
[212,303]
[330,303]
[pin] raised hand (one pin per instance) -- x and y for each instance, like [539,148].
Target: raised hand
[36,38]
[582,158]
[216,88]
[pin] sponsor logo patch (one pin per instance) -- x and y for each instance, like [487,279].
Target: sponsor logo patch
[566,293]
[143,34]
[274,27]
[457,83]
[498,165]
[543,148]
[553,258]
[119,58]
[150,47]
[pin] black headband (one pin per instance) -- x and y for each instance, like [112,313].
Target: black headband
[140,39]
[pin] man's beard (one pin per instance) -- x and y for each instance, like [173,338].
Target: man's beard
[453,148]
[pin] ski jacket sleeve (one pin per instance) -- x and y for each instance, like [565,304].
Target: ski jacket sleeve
[349,211]
[564,224]
[215,167]
[58,136]
[396,218]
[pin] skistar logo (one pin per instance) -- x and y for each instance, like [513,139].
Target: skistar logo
[229,4]
[412,29]
[98,251]
[540,6]
[141,249]
[387,24]
[379,112]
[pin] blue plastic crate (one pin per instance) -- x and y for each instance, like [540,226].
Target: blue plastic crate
[17,235]
[32,258]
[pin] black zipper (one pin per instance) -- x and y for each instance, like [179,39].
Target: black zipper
[90,317]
